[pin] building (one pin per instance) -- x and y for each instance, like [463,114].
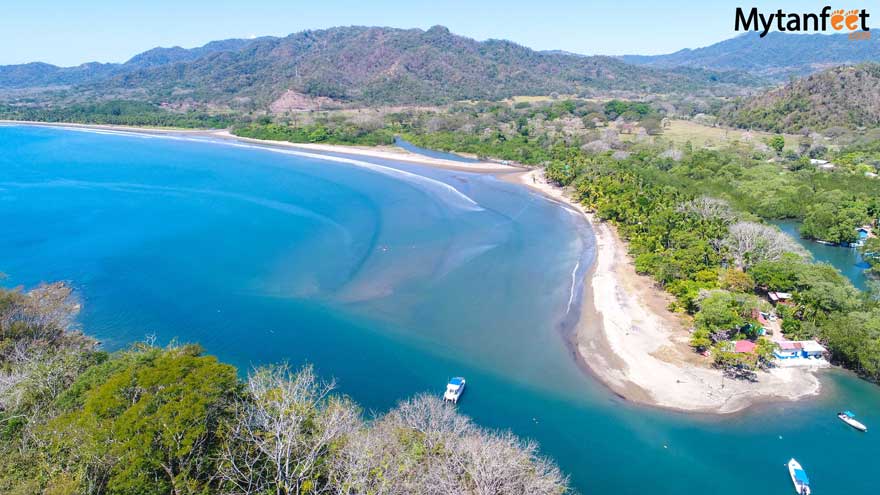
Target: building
[744,347]
[788,350]
[804,349]
[864,232]
[779,297]
[812,349]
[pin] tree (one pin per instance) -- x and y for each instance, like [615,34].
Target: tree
[736,280]
[719,313]
[750,243]
[700,339]
[151,427]
[776,143]
[764,350]
[870,251]
[283,431]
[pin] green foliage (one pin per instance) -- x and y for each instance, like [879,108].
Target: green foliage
[173,421]
[117,112]
[736,280]
[843,97]
[700,339]
[151,424]
[315,133]
[776,143]
[721,312]
[632,110]
[835,218]
[871,253]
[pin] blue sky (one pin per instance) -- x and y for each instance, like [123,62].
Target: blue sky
[69,32]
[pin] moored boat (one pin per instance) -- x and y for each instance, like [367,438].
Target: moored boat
[799,478]
[849,418]
[454,389]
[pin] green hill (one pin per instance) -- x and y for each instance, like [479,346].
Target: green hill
[846,96]
[370,65]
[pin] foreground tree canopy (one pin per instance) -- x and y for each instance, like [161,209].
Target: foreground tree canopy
[148,420]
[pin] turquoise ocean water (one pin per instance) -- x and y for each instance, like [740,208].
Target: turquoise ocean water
[390,278]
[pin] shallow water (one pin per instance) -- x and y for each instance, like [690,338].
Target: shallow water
[402,143]
[391,283]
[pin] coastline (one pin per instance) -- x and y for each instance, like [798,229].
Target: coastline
[625,336]
[392,153]
[629,340]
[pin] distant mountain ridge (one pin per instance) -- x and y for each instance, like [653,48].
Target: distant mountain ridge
[776,56]
[370,65]
[36,74]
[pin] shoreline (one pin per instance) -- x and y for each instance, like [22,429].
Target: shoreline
[628,339]
[391,153]
[630,342]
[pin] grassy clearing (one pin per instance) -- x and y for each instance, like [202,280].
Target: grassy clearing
[682,131]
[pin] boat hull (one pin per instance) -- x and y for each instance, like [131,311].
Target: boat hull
[854,423]
[799,488]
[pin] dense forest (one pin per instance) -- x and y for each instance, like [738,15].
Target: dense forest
[117,112]
[78,420]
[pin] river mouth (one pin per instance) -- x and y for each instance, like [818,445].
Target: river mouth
[389,284]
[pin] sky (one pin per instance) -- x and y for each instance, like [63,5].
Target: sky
[70,32]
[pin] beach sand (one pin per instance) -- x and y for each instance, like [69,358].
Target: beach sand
[626,337]
[631,342]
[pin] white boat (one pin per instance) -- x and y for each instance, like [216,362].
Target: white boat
[849,418]
[799,478]
[454,389]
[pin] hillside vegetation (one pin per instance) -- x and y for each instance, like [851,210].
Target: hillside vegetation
[845,97]
[367,65]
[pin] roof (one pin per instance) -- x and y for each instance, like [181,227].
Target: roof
[744,346]
[787,345]
[779,296]
[812,346]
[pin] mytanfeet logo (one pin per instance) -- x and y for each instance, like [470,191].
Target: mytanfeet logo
[854,21]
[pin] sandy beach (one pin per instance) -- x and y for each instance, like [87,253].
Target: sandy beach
[631,342]
[626,336]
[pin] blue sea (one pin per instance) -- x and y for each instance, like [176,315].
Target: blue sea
[389,278]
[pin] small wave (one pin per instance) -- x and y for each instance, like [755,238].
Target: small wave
[128,187]
[442,190]
[431,186]
[573,286]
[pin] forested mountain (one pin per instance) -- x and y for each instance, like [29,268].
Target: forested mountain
[776,56]
[365,65]
[38,74]
[847,97]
